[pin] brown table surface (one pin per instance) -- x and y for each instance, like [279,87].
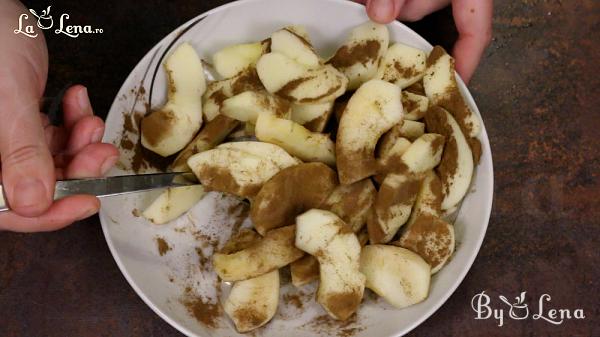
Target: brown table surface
[537,89]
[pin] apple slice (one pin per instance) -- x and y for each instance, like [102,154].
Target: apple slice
[456,166]
[422,155]
[275,250]
[392,207]
[239,168]
[248,105]
[170,128]
[402,65]
[172,203]
[430,237]
[360,54]
[320,123]
[414,105]
[441,88]
[253,302]
[352,203]
[241,240]
[295,139]
[373,109]
[389,151]
[325,236]
[398,275]
[290,192]
[211,135]
[294,46]
[305,113]
[218,91]
[304,271]
[234,59]
[429,199]
[291,80]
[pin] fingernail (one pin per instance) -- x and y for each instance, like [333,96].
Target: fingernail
[87,214]
[108,164]
[97,135]
[382,9]
[82,99]
[28,192]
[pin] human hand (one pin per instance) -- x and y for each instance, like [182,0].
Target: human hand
[33,153]
[473,20]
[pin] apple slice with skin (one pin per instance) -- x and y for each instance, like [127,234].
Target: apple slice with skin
[172,203]
[402,65]
[239,168]
[442,89]
[246,106]
[218,91]
[430,237]
[361,53]
[372,110]
[295,139]
[456,166]
[397,274]
[234,59]
[275,250]
[394,202]
[414,105]
[290,192]
[169,129]
[253,302]
[325,236]
[294,46]
[211,135]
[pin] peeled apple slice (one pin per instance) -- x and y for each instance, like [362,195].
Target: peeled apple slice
[414,105]
[253,302]
[402,65]
[169,129]
[246,107]
[218,91]
[360,54]
[373,110]
[304,113]
[295,139]
[398,275]
[294,46]
[172,203]
[456,165]
[442,89]
[232,60]
[325,236]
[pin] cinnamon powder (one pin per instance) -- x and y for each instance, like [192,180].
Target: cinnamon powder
[364,52]
[436,121]
[162,245]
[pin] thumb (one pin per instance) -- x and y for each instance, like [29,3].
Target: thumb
[27,167]
[384,11]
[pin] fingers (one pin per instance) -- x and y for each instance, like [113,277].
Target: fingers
[87,130]
[473,20]
[27,166]
[94,160]
[76,105]
[62,213]
[384,11]
[415,10]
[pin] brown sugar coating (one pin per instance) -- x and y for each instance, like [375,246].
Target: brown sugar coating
[158,125]
[430,237]
[352,202]
[291,192]
[436,121]
[361,53]
[342,304]
[392,193]
[304,270]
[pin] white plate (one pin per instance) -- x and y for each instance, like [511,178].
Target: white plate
[160,280]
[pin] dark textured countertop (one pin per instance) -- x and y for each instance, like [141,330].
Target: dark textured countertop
[537,89]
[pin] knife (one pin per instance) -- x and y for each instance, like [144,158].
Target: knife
[111,186]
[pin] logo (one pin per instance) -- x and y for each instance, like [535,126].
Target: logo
[45,21]
[519,310]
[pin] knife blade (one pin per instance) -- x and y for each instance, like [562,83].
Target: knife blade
[112,186]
